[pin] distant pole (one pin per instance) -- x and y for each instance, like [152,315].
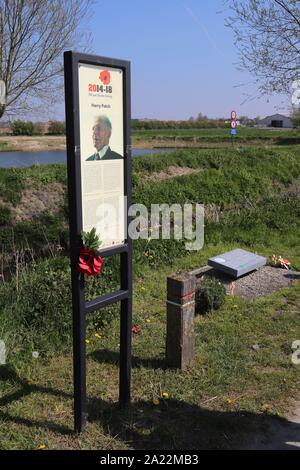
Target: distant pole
[233,125]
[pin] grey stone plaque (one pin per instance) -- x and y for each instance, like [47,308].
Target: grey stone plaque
[237,262]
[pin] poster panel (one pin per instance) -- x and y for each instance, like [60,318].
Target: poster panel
[101,125]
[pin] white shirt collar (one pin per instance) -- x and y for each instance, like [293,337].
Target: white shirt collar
[102,152]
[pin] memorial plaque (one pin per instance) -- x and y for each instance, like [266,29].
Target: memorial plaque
[102,151]
[237,262]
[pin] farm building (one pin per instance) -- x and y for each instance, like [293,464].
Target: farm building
[276,120]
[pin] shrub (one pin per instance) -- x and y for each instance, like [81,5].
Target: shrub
[210,295]
[5,215]
[11,184]
[22,128]
[57,128]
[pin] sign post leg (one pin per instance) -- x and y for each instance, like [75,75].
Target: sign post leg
[79,354]
[125,330]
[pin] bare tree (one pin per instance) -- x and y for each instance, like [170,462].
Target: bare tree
[295,117]
[33,36]
[267,35]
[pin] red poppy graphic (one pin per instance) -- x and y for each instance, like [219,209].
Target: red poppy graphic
[89,262]
[105,77]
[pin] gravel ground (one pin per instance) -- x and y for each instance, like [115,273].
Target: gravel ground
[258,283]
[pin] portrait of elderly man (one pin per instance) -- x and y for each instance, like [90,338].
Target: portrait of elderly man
[101,135]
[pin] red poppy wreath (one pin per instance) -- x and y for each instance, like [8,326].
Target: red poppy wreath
[90,262]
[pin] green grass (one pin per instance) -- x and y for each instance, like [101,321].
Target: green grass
[230,391]
[45,174]
[247,188]
[256,157]
[5,215]
[228,176]
[231,180]
[228,387]
[4,147]
[35,307]
[42,231]
[35,235]
[245,134]
[13,180]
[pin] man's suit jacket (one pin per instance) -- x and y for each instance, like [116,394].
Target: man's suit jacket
[109,155]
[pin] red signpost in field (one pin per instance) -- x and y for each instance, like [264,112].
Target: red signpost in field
[233,124]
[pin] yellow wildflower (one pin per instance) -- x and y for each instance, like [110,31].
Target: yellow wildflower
[41,446]
[155,401]
[165,395]
[97,335]
[87,341]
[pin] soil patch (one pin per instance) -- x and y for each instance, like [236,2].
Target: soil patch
[35,201]
[171,172]
[294,188]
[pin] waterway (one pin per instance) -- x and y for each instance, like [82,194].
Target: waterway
[22,159]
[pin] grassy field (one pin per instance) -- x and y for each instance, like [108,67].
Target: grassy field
[231,390]
[198,137]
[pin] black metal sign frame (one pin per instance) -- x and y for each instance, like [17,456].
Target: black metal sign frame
[81,307]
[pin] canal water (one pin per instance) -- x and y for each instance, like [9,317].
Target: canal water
[21,159]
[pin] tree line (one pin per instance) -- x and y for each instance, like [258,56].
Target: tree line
[20,127]
[203,123]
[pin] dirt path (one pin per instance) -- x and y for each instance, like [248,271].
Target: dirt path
[34,143]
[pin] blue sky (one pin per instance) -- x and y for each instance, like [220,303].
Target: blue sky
[183,58]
